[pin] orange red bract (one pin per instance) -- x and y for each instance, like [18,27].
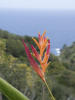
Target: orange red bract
[42,57]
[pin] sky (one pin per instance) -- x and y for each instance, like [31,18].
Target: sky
[38,4]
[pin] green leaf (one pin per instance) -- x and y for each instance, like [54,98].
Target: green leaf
[10,92]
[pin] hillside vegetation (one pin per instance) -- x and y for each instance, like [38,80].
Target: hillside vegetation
[15,68]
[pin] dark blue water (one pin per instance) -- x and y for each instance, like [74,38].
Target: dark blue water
[60,25]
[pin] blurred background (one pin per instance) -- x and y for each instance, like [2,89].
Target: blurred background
[23,19]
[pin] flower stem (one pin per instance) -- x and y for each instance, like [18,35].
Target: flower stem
[51,95]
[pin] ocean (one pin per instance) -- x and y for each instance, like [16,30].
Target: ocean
[60,25]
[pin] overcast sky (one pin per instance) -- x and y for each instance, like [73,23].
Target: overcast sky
[38,4]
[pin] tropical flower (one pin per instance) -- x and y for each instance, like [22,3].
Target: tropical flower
[43,44]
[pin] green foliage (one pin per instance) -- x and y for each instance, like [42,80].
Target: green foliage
[56,66]
[4,34]
[67,78]
[15,47]
[7,35]
[68,56]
